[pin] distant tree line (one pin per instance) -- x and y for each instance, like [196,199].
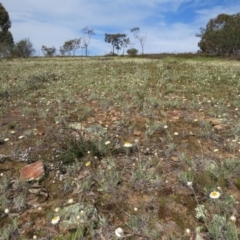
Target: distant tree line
[221,36]
[24,48]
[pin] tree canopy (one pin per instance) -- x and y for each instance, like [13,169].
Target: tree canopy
[48,51]
[118,41]
[70,46]
[6,39]
[24,48]
[141,38]
[221,35]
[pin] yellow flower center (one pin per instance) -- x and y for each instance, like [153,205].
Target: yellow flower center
[88,164]
[214,194]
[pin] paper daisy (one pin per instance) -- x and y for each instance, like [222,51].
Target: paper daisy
[127,144]
[214,195]
[119,232]
[55,220]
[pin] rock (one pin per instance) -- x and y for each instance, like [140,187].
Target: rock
[214,121]
[77,214]
[218,127]
[175,113]
[75,135]
[175,159]
[76,126]
[136,133]
[33,171]
[3,158]
[114,119]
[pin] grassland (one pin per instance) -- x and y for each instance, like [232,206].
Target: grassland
[144,141]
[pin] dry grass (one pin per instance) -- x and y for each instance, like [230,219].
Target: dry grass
[181,117]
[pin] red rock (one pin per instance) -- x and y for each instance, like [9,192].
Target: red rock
[33,171]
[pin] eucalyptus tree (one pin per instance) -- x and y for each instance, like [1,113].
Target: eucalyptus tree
[221,35]
[87,34]
[70,46]
[6,38]
[118,41]
[140,37]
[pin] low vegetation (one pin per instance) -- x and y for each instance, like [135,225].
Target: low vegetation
[152,146]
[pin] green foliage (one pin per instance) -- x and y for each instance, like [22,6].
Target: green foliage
[5,48]
[118,41]
[35,82]
[6,39]
[70,46]
[132,51]
[237,183]
[24,48]
[220,228]
[48,52]
[221,35]
[5,22]
[11,231]
[77,149]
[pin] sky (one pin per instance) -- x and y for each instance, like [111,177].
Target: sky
[169,25]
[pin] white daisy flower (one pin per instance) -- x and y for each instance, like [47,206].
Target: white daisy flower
[214,195]
[55,220]
[119,232]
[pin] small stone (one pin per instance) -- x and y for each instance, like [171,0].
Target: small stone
[175,113]
[114,119]
[76,126]
[214,121]
[218,127]
[76,135]
[175,159]
[136,133]
[33,171]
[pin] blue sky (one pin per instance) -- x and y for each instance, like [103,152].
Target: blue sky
[170,25]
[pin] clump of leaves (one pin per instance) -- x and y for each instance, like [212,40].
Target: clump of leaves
[221,228]
[4,93]
[37,81]
[12,125]
[80,148]
[237,183]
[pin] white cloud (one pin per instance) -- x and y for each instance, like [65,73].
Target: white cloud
[51,23]
[204,15]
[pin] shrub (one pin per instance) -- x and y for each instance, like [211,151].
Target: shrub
[132,51]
